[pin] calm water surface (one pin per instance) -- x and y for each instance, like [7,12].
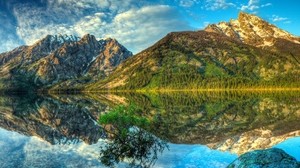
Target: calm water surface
[182,129]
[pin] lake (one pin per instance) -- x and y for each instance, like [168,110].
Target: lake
[169,129]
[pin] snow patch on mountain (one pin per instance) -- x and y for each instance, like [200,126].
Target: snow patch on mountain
[63,39]
[252,30]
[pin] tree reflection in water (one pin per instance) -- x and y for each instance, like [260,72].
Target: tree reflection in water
[129,139]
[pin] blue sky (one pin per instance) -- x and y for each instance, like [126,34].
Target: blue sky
[135,24]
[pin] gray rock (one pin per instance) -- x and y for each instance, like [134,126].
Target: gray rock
[55,59]
[269,158]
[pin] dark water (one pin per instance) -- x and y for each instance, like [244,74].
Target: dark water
[183,129]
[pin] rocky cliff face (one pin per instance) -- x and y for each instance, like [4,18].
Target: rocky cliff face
[42,48]
[69,61]
[112,55]
[59,58]
[252,30]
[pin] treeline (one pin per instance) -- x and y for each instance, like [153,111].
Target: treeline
[191,78]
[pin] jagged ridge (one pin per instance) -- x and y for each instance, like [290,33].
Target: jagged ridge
[58,58]
[252,30]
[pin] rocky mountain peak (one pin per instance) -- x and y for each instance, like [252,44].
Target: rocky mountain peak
[112,54]
[112,41]
[252,30]
[245,17]
[57,58]
[46,46]
[113,44]
[89,38]
[52,40]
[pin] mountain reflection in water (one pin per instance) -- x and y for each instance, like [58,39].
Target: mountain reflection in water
[235,122]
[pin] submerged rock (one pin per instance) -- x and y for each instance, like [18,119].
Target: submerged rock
[269,158]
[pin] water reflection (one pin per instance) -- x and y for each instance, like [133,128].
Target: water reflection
[19,151]
[227,121]
[236,122]
[54,121]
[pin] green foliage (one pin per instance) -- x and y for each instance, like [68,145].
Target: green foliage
[140,78]
[139,147]
[213,108]
[125,116]
[130,139]
[213,71]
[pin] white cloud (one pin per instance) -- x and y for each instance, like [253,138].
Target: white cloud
[141,28]
[188,3]
[94,24]
[276,18]
[218,4]
[8,39]
[254,5]
[251,6]
[134,26]
[129,21]
[9,42]
[206,4]
[265,5]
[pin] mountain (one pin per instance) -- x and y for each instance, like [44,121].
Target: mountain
[38,50]
[243,53]
[59,58]
[252,30]
[224,55]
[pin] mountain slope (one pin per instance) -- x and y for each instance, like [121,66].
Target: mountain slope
[56,59]
[211,59]
[202,59]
